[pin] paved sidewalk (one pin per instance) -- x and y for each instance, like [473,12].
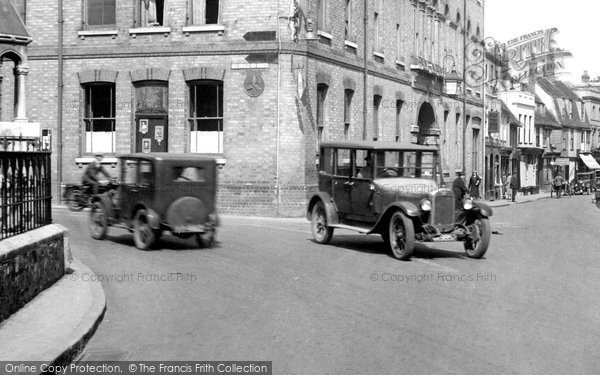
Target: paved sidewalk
[55,326]
[520,199]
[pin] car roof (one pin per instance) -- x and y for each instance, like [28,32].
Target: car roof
[172,156]
[376,145]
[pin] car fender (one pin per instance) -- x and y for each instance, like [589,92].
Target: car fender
[330,208]
[153,218]
[483,209]
[408,208]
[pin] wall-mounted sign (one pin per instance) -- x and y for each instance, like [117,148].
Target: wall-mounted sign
[254,85]
[146,145]
[159,133]
[144,126]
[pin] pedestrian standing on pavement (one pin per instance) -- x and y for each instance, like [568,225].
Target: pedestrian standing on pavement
[474,183]
[558,185]
[507,186]
[460,189]
[514,184]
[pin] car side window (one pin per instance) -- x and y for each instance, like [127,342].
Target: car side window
[327,161]
[129,172]
[146,175]
[362,167]
[343,164]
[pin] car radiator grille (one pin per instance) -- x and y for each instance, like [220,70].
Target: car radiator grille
[443,210]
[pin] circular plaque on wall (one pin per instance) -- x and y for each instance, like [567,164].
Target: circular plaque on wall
[254,85]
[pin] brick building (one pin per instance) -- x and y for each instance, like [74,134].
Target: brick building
[257,83]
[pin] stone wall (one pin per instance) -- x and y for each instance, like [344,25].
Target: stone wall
[30,263]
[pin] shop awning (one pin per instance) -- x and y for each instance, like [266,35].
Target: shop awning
[589,161]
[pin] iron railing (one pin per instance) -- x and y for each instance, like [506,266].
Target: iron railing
[25,191]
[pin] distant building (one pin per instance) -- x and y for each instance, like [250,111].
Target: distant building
[589,92]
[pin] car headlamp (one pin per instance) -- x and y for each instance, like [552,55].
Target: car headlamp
[468,204]
[426,205]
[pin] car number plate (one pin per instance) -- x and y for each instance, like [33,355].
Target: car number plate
[445,238]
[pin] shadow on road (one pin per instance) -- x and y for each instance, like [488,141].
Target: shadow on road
[374,245]
[166,242]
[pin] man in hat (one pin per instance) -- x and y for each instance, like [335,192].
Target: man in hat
[90,175]
[460,189]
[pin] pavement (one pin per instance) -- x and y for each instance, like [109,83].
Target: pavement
[55,326]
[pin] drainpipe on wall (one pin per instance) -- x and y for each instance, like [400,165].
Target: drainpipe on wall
[59,117]
[485,125]
[464,115]
[366,70]
[277,186]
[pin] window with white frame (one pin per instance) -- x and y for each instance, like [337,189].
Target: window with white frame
[99,118]
[205,12]
[206,116]
[150,13]
[99,13]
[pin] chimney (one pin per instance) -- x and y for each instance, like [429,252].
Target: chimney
[585,78]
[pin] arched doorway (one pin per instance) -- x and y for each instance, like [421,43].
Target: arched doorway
[429,131]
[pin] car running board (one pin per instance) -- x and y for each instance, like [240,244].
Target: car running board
[350,227]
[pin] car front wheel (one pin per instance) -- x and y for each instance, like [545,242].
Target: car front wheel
[322,233]
[477,244]
[401,234]
[143,235]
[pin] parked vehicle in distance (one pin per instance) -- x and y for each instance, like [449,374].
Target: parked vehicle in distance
[397,191]
[78,196]
[584,182]
[160,192]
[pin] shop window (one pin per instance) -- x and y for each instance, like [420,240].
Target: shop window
[149,13]
[206,116]
[205,12]
[99,13]
[99,118]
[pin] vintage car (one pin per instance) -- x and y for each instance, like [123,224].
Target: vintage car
[584,182]
[160,192]
[397,191]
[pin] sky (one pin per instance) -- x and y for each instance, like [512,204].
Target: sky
[577,21]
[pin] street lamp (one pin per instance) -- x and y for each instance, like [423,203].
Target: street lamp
[452,82]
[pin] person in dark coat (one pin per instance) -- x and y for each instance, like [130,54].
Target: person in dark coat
[92,171]
[514,185]
[474,183]
[460,189]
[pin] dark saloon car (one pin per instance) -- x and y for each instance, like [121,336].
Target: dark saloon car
[395,190]
[160,192]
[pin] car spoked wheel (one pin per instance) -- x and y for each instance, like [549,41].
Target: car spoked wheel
[322,233]
[401,234]
[477,243]
[98,221]
[143,235]
[73,199]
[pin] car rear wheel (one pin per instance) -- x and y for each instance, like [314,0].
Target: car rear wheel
[98,221]
[477,244]
[206,239]
[143,235]
[401,234]
[73,199]
[322,233]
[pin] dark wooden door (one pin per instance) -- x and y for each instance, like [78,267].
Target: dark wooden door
[151,134]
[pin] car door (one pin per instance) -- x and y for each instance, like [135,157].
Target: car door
[342,182]
[361,193]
